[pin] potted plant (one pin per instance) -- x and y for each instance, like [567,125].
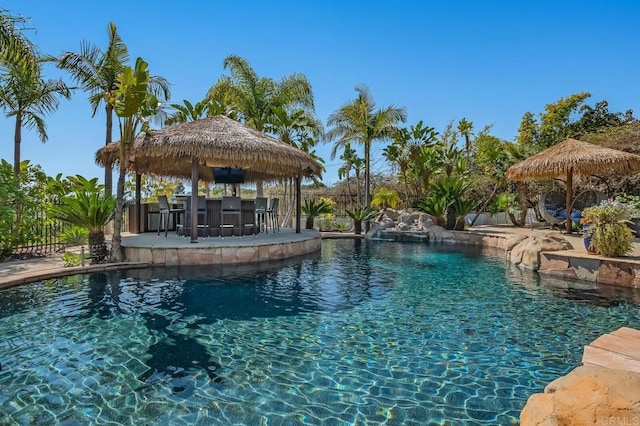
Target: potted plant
[314,208]
[606,231]
[359,215]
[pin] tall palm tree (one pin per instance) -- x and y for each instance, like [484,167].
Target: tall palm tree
[26,96]
[465,128]
[255,99]
[359,122]
[344,172]
[97,73]
[134,104]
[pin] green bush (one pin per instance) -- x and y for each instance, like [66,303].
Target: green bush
[22,204]
[74,236]
[611,239]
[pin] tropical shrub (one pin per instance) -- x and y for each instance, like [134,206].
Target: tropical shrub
[435,206]
[462,208]
[607,227]
[385,197]
[313,209]
[74,236]
[359,215]
[90,210]
[445,194]
[72,259]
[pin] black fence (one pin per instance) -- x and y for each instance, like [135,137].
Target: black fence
[45,238]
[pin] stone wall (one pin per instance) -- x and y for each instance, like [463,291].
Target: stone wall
[220,255]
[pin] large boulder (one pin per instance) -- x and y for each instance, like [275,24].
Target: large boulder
[589,395]
[527,253]
[407,218]
[391,213]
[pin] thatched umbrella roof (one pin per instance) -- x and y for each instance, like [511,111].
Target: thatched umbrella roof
[215,142]
[573,157]
[581,158]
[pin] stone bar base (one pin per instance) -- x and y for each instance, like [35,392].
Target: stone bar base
[233,250]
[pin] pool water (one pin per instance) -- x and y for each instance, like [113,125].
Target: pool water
[363,333]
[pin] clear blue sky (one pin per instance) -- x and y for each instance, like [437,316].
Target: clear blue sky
[488,61]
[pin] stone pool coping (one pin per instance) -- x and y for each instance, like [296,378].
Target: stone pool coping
[574,264]
[570,264]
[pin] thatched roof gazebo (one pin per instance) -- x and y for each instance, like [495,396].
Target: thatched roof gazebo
[192,149]
[574,158]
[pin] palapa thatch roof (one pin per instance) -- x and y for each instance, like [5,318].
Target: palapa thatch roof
[215,142]
[576,157]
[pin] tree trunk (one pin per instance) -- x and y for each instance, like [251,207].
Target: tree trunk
[97,248]
[108,171]
[17,138]
[116,247]
[350,193]
[367,174]
[259,189]
[358,191]
[451,218]
[406,188]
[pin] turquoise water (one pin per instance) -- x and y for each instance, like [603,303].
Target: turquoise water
[365,333]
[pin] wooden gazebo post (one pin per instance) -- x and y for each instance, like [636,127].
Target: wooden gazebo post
[569,200]
[298,203]
[194,200]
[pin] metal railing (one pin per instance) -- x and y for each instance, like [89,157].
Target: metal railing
[44,238]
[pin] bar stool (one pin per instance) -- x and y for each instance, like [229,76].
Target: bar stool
[165,212]
[261,213]
[231,206]
[272,211]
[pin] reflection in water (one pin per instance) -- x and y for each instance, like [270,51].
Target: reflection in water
[438,333]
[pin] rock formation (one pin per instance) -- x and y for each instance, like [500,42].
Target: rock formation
[589,395]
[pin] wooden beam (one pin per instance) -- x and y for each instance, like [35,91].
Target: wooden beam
[298,203]
[194,200]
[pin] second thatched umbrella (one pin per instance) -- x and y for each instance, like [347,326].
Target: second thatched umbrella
[574,158]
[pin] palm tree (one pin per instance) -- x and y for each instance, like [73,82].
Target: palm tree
[134,104]
[97,72]
[345,170]
[409,152]
[466,129]
[358,121]
[255,99]
[91,210]
[188,112]
[26,96]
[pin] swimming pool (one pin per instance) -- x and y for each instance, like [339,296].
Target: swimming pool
[363,333]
